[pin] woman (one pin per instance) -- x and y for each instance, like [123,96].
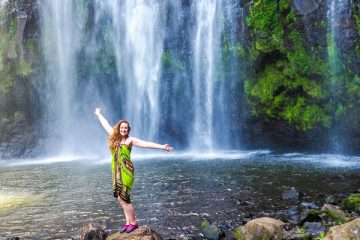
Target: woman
[120,144]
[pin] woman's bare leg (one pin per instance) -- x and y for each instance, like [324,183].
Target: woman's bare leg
[129,211]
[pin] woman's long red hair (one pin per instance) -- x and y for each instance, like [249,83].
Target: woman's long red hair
[115,137]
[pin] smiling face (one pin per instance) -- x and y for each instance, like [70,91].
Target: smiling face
[124,129]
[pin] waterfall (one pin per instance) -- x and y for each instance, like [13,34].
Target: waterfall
[61,39]
[339,12]
[206,41]
[338,15]
[138,42]
[111,53]
[216,25]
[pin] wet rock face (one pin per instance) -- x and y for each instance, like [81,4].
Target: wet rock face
[244,2]
[18,138]
[19,105]
[305,7]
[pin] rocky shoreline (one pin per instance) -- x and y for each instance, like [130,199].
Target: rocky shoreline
[337,218]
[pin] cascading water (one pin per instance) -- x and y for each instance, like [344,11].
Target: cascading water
[339,12]
[216,25]
[206,42]
[338,15]
[138,42]
[84,42]
[61,41]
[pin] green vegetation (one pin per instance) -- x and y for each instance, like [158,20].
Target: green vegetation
[170,61]
[321,236]
[238,234]
[291,82]
[13,62]
[352,203]
[356,14]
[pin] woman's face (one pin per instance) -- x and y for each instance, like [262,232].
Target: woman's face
[124,129]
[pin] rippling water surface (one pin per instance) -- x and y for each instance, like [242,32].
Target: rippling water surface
[54,198]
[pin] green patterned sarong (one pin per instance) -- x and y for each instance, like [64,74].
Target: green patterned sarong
[122,173]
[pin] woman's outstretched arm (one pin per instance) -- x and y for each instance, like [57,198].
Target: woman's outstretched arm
[104,123]
[144,144]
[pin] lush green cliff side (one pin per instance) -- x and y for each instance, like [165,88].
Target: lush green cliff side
[301,72]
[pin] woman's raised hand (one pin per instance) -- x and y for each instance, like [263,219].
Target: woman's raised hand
[97,111]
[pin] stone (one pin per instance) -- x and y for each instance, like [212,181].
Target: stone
[335,213]
[296,234]
[141,233]
[330,199]
[291,194]
[93,231]
[310,215]
[211,231]
[349,230]
[314,227]
[309,205]
[264,228]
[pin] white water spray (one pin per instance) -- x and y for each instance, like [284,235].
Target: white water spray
[138,42]
[61,32]
[206,43]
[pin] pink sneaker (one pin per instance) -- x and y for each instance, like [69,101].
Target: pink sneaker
[131,228]
[124,228]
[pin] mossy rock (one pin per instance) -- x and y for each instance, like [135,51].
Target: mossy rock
[349,230]
[260,229]
[337,215]
[352,203]
[238,234]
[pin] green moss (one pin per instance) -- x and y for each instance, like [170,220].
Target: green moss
[291,82]
[353,87]
[340,110]
[265,19]
[1,53]
[31,46]
[204,224]
[169,61]
[11,29]
[321,236]
[292,99]
[352,203]
[16,115]
[356,14]
[166,60]
[238,234]
[13,66]
[283,5]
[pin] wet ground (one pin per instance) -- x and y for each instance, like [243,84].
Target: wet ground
[54,199]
